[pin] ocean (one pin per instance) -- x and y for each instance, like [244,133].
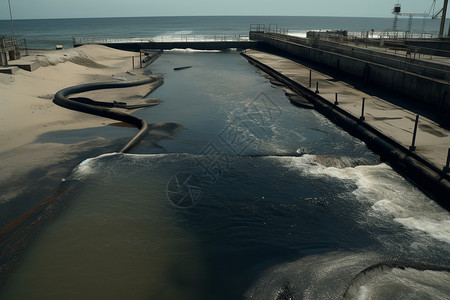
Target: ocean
[45,34]
[235,194]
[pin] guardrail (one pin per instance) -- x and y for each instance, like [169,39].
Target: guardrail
[163,39]
[366,39]
[406,62]
[271,28]
[389,34]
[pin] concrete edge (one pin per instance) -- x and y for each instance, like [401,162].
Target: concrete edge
[425,175]
[30,67]
[197,45]
[11,70]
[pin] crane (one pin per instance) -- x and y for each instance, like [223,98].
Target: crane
[434,15]
[438,14]
[444,14]
[397,12]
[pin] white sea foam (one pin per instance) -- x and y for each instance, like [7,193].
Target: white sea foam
[301,34]
[188,50]
[88,166]
[391,195]
[396,283]
[439,229]
[182,32]
[312,277]
[167,36]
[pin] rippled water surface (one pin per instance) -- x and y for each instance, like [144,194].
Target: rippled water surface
[247,197]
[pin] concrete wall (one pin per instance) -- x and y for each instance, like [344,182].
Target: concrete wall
[424,174]
[182,45]
[433,92]
[433,46]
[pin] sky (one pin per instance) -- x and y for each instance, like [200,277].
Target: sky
[53,9]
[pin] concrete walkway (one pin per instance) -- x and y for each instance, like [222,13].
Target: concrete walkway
[443,60]
[432,141]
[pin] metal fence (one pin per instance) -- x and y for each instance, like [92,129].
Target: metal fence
[11,49]
[23,48]
[351,46]
[390,34]
[159,39]
[7,42]
[271,28]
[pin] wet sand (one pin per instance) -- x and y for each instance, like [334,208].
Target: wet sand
[40,142]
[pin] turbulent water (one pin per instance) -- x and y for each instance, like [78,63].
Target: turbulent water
[45,34]
[248,197]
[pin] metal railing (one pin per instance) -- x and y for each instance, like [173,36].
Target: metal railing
[159,39]
[389,34]
[11,49]
[7,43]
[23,47]
[352,48]
[271,28]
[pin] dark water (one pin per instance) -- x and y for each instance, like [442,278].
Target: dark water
[251,197]
[45,34]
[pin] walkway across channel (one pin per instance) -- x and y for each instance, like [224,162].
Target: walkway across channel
[385,127]
[181,42]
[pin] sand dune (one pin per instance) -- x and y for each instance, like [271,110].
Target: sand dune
[27,110]
[26,98]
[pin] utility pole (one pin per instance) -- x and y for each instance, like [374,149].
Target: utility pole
[445,4]
[12,24]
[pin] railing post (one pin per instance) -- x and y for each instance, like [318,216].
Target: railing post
[362,118]
[310,74]
[447,165]
[26,46]
[413,147]
[140,59]
[336,99]
[317,87]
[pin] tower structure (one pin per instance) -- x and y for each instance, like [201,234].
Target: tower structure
[397,11]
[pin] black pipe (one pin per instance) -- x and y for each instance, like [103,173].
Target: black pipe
[61,99]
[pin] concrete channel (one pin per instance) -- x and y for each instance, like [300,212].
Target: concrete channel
[424,81]
[432,179]
[387,126]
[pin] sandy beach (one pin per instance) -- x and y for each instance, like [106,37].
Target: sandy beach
[28,113]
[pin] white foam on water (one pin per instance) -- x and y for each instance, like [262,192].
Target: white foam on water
[439,229]
[404,283]
[189,50]
[301,34]
[363,293]
[313,277]
[88,166]
[168,35]
[182,32]
[391,196]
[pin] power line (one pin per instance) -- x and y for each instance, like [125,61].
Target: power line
[12,23]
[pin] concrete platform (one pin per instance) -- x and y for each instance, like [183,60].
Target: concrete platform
[28,63]
[392,121]
[30,67]
[422,81]
[9,70]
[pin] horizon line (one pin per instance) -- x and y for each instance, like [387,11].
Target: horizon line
[193,16]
